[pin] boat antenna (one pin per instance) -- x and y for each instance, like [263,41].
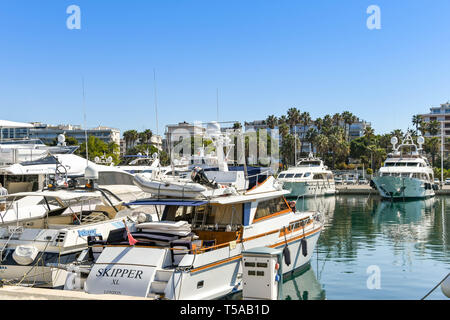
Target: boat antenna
[85,128]
[156,101]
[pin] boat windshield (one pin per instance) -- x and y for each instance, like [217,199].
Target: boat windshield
[309,163]
[46,160]
[206,217]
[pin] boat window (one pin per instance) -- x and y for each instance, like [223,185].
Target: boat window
[179,213]
[289,175]
[268,207]
[298,175]
[307,174]
[412,164]
[317,176]
[310,163]
[389,164]
[225,215]
[401,164]
[46,160]
[115,178]
[281,175]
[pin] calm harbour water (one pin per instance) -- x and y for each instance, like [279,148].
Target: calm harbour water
[408,242]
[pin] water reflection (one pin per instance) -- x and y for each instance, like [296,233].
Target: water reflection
[405,239]
[302,285]
[326,205]
[408,241]
[406,221]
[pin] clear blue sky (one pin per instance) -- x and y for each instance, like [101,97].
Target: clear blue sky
[264,56]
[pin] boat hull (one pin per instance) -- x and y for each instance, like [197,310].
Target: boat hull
[391,187]
[224,277]
[309,189]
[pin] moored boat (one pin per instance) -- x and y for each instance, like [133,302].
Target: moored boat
[406,173]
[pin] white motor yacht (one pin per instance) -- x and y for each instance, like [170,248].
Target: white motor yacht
[406,173]
[309,177]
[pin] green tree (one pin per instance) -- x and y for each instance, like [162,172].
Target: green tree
[432,146]
[98,148]
[417,121]
[433,127]
[272,121]
[130,137]
[322,144]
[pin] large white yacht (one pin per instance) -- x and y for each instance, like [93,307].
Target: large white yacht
[309,177]
[406,174]
[195,251]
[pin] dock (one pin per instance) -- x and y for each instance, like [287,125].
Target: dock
[27,293]
[364,189]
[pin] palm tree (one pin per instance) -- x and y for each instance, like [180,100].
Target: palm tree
[431,146]
[433,127]
[337,119]
[305,119]
[293,116]
[318,123]
[272,121]
[237,125]
[337,144]
[282,119]
[310,137]
[348,118]
[398,133]
[417,121]
[130,137]
[284,130]
[369,133]
[327,124]
[145,136]
[322,143]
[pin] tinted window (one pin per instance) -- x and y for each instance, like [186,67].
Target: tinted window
[46,160]
[269,207]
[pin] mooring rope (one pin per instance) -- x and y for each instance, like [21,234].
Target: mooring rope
[436,286]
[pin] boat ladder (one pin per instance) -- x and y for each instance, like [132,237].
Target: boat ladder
[160,281]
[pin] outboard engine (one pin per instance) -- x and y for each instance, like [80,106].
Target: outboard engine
[372,184]
[198,175]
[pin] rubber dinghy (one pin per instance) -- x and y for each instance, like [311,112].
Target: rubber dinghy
[165,188]
[183,188]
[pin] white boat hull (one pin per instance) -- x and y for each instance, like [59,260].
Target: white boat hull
[309,188]
[224,277]
[402,188]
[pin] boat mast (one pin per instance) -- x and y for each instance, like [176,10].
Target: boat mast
[442,153]
[156,102]
[85,128]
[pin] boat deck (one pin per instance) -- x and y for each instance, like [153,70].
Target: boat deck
[26,293]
